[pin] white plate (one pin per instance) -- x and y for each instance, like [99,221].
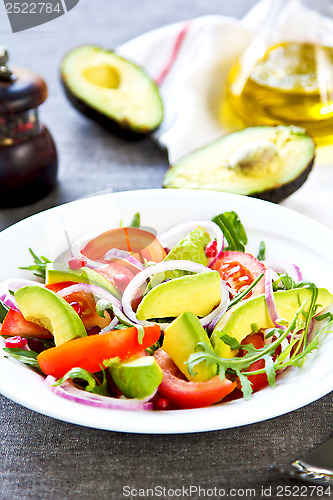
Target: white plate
[288,235]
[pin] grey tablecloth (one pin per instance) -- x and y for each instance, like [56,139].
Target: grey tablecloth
[44,458]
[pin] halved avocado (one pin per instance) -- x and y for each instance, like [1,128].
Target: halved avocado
[111,90]
[263,162]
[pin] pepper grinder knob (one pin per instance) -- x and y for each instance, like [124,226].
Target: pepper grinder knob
[5,73]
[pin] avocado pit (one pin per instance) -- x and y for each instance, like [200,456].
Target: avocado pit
[256,156]
[103,76]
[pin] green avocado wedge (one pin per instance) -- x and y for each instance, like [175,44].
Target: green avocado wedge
[238,321]
[180,341]
[197,293]
[49,310]
[112,90]
[57,272]
[137,378]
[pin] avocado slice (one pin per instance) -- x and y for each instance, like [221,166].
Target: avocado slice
[265,162]
[238,320]
[49,310]
[137,378]
[180,341]
[197,293]
[111,90]
[57,272]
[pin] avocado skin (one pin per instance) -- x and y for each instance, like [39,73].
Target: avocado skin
[280,193]
[120,129]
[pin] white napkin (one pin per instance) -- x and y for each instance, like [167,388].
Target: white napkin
[193,59]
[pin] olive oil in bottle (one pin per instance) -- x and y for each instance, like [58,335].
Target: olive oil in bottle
[291,84]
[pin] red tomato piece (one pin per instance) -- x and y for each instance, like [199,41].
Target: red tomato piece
[141,244]
[185,394]
[239,270]
[14,324]
[90,352]
[258,381]
[86,301]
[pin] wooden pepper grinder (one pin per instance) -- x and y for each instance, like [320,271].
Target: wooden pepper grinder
[28,157]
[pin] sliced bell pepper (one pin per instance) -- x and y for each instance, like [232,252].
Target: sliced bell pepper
[90,352]
[185,394]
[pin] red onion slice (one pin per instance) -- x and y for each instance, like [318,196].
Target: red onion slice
[171,265]
[110,326]
[221,309]
[115,253]
[9,301]
[285,267]
[175,234]
[14,284]
[271,306]
[68,391]
[93,289]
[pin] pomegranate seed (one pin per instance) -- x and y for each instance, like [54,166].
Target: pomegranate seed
[77,262]
[16,341]
[161,403]
[36,345]
[211,249]
[77,307]
[93,330]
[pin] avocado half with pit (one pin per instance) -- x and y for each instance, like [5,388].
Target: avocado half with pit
[111,90]
[264,162]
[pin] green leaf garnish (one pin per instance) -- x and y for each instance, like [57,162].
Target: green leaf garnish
[233,230]
[91,381]
[39,266]
[136,220]
[327,315]
[26,357]
[3,311]
[294,354]
[237,298]
[261,251]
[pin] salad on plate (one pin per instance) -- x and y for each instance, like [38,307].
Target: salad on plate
[183,319]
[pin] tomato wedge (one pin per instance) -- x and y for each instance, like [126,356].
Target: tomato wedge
[185,394]
[15,324]
[239,270]
[87,305]
[90,352]
[258,381]
[141,244]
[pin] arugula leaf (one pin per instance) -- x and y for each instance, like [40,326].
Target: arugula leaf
[28,358]
[241,295]
[327,315]
[82,374]
[233,230]
[103,305]
[294,355]
[261,251]
[284,282]
[39,266]
[245,385]
[136,220]
[3,311]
